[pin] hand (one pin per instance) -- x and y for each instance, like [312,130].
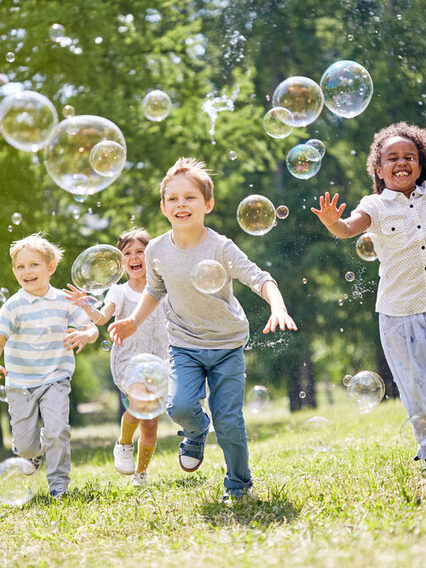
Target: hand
[328,213]
[3,371]
[121,329]
[76,296]
[282,319]
[75,339]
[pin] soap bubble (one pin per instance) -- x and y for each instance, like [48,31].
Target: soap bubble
[349,276]
[97,268]
[346,380]
[413,433]
[365,247]
[56,32]
[156,105]
[232,155]
[3,395]
[302,97]
[16,488]
[318,145]
[10,57]
[318,433]
[68,111]
[108,158]
[304,280]
[16,218]
[256,215]
[347,88]
[278,122]
[282,211]
[10,89]
[303,161]
[67,156]
[257,399]
[365,390]
[208,276]
[27,120]
[41,336]
[302,394]
[106,345]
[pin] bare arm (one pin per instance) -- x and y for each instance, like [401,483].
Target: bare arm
[2,344]
[330,216]
[121,329]
[80,298]
[78,338]
[279,315]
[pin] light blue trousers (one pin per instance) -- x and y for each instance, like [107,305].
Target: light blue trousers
[224,371]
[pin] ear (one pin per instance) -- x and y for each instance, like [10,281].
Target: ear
[379,173]
[209,205]
[163,209]
[51,267]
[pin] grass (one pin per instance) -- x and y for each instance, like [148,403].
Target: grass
[360,504]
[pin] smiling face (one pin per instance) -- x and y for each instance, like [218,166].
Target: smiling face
[183,203]
[399,164]
[32,271]
[134,255]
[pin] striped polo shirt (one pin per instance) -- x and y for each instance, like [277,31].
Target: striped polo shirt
[34,327]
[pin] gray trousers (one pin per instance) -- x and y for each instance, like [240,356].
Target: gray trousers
[52,437]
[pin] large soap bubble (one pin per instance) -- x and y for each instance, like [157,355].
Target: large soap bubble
[365,390]
[27,120]
[302,97]
[318,433]
[256,215]
[347,88]
[108,158]
[257,399]
[10,89]
[208,276]
[67,155]
[97,268]
[303,161]
[365,248]
[318,145]
[16,488]
[156,105]
[278,122]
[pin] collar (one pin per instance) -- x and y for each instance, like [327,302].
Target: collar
[50,295]
[389,194]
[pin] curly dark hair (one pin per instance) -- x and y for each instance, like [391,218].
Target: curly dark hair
[410,131]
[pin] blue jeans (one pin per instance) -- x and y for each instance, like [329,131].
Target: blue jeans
[224,371]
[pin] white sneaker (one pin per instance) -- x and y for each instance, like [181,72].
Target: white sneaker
[123,458]
[30,466]
[139,479]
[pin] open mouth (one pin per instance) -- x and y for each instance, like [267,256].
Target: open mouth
[30,280]
[136,267]
[401,174]
[183,216]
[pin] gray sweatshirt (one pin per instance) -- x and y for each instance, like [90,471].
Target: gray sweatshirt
[195,319]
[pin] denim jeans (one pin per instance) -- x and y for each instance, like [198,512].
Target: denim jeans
[224,371]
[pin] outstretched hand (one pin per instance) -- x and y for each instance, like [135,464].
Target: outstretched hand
[75,295]
[119,330]
[279,318]
[329,213]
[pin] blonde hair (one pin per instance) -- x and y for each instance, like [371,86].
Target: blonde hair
[39,243]
[197,173]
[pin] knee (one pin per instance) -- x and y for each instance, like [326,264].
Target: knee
[27,448]
[230,428]
[56,432]
[180,411]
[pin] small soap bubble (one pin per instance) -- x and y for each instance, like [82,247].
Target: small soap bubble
[17,485]
[349,276]
[10,57]
[156,105]
[304,280]
[10,228]
[108,158]
[365,390]
[97,268]
[132,219]
[282,212]
[68,111]
[340,302]
[106,345]
[80,198]
[5,292]
[365,248]
[232,155]
[75,212]
[318,145]
[257,399]
[56,32]
[302,394]
[278,122]
[303,161]
[256,215]
[302,97]
[318,433]
[208,276]
[346,380]
[98,204]
[16,218]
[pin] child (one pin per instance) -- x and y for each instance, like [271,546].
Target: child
[395,215]
[40,361]
[151,337]
[206,331]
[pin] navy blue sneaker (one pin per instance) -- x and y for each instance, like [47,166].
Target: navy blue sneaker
[59,493]
[235,494]
[191,454]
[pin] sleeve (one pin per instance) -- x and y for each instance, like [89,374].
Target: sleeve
[368,206]
[240,267]
[6,321]
[77,317]
[154,283]
[115,296]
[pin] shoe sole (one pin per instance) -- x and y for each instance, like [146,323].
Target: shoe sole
[123,472]
[190,470]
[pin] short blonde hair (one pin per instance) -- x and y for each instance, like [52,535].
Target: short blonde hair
[197,173]
[39,243]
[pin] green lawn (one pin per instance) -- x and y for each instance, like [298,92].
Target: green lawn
[360,504]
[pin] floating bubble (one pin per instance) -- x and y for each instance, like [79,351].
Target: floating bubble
[302,394]
[27,120]
[213,105]
[41,337]
[318,145]
[340,302]
[304,280]
[10,57]
[10,89]
[318,433]
[208,276]
[16,488]
[10,228]
[97,268]
[278,122]
[257,399]
[108,158]
[365,247]
[80,198]
[56,32]
[412,434]
[349,276]
[347,88]
[106,345]
[67,155]
[302,97]
[2,298]
[256,215]
[68,111]
[232,155]
[3,395]
[365,390]
[16,218]
[303,161]
[282,211]
[346,380]
[156,105]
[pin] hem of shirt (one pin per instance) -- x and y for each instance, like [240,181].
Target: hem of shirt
[221,345]
[39,384]
[415,313]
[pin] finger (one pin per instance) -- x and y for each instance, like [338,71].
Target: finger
[341,208]
[316,211]
[327,199]
[334,200]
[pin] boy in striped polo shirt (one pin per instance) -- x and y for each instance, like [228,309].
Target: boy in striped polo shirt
[39,328]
